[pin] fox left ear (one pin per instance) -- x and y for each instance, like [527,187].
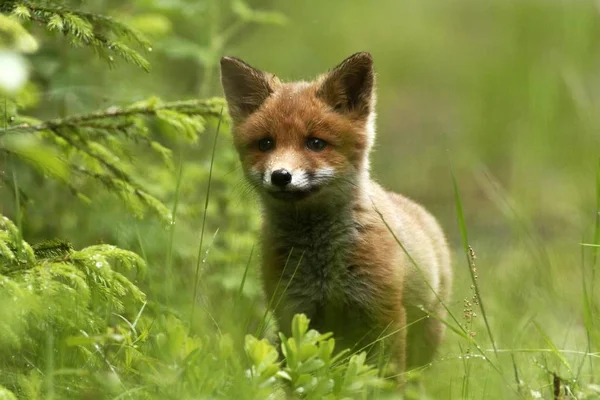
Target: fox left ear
[245,87]
[348,88]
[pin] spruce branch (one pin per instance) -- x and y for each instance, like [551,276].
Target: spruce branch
[102,33]
[95,20]
[51,286]
[52,249]
[88,142]
[206,108]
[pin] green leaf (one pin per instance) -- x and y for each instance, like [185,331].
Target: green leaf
[351,371]
[52,249]
[326,350]
[553,347]
[55,23]
[78,27]
[269,371]
[304,380]
[299,326]
[22,12]
[165,153]
[260,351]
[311,366]
[307,351]
[128,54]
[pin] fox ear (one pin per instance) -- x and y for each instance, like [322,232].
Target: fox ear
[245,87]
[348,88]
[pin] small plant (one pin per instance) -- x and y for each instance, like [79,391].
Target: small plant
[56,298]
[310,368]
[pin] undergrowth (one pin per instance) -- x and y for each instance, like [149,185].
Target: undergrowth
[166,315]
[75,324]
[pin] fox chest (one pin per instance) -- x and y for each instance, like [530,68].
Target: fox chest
[313,271]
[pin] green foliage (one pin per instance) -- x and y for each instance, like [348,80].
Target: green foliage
[115,151]
[102,33]
[310,367]
[85,328]
[14,36]
[86,147]
[94,146]
[518,127]
[52,293]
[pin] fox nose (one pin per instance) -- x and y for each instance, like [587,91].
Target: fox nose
[281,177]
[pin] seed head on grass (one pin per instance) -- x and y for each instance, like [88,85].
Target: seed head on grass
[469,304]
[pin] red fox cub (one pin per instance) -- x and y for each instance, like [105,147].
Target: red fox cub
[304,147]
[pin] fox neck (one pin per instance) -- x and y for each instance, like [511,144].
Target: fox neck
[294,218]
[313,243]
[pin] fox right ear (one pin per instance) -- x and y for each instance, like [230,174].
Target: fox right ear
[245,87]
[348,88]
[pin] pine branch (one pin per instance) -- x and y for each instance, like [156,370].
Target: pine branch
[101,33]
[52,287]
[97,20]
[88,139]
[208,108]
[124,189]
[52,249]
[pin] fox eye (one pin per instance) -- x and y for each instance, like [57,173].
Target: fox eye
[315,144]
[266,144]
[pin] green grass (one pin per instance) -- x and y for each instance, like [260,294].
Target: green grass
[487,114]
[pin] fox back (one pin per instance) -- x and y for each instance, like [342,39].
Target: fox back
[359,261]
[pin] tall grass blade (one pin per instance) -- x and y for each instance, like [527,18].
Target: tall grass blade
[459,329]
[169,256]
[516,371]
[263,322]
[553,347]
[199,258]
[287,286]
[587,312]
[418,269]
[466,373]
[465,240]
[243,283]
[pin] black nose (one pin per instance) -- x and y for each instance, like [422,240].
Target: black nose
[281,177]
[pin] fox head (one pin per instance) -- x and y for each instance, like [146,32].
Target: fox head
[302,140]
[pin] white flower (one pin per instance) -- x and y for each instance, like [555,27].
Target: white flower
[13,71]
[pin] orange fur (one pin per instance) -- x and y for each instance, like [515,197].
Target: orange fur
[324,228]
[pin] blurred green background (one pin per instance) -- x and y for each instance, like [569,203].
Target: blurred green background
[505,94]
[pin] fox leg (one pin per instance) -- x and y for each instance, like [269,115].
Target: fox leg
[397,349]
[424,336]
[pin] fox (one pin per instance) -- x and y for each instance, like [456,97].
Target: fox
[364,263]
